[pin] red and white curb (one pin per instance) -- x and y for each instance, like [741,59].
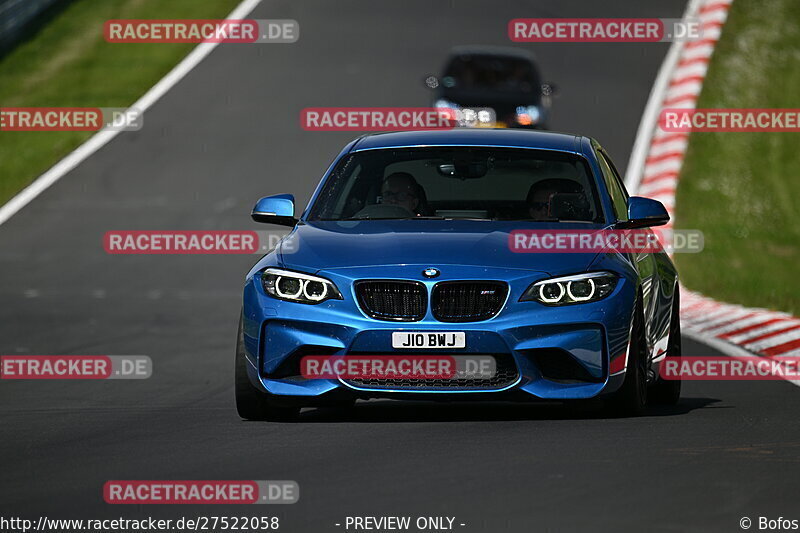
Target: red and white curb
[653,171]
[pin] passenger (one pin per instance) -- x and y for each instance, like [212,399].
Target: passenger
[541,192]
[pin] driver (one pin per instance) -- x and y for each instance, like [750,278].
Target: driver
[541,192]
[401,189]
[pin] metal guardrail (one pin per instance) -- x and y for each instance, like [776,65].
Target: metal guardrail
[16,16]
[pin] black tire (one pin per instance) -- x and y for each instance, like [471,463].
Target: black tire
[251,403]
[631,398]
[668,391]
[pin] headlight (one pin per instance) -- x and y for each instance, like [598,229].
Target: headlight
[466,117]
[567,290]
[528,115]
[445,104]
[298,287]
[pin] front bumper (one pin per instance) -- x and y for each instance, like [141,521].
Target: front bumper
[560,353]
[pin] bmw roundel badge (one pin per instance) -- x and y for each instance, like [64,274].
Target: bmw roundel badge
[430,272]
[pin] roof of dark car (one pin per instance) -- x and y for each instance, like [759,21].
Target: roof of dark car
[543,140]
[494,51]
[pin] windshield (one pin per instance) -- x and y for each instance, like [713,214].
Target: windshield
[496,73]
[460,183]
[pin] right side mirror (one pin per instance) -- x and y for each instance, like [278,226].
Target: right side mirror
[644,213]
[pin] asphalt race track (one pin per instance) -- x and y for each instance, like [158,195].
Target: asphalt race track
[228,134]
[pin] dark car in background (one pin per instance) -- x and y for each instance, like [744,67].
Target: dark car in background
[508,80]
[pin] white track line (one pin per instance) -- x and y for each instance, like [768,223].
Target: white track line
[102,137]
[644,134]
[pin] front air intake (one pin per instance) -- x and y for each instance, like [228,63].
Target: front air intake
[404,301]
[467,301]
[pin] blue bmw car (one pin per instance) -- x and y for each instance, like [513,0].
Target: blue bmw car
[408,236]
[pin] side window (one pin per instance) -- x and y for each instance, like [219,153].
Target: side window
[616,174]
[619,197]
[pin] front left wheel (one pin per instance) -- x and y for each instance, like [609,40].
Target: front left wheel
[668,391]
[631,398]
[251,403]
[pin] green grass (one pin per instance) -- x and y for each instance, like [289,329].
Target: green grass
[69,64]
[743,189]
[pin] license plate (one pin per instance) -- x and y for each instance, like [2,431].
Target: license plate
[429,339]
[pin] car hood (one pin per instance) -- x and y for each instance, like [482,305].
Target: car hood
[318,246]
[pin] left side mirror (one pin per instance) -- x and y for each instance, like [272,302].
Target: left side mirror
[431,82]
[549,89]
[645,213]
[277,209]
